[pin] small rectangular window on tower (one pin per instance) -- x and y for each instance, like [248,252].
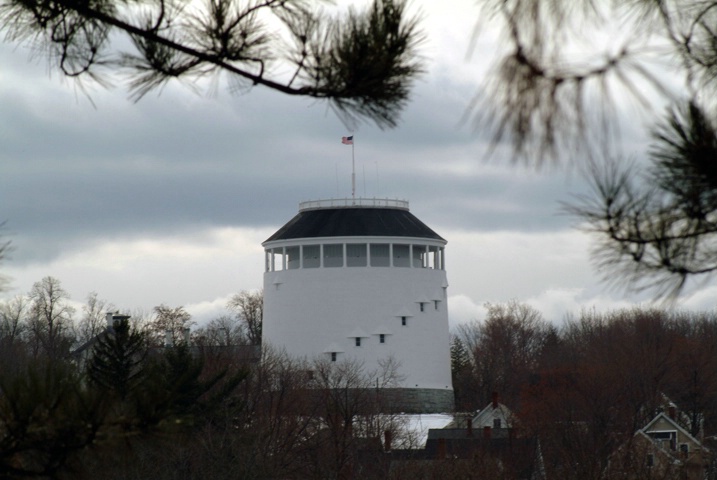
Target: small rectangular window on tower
[435,303]
[401,255]
[380,254]
[333,356]
[334,255]
[310,256]
[382,338]
[293,260]
[422,306]
[358,341]
[403,321]
[356,255]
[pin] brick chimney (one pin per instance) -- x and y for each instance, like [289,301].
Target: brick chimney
[672,412]
[495,399]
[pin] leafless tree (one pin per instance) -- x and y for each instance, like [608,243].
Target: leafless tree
[13,331]
[169,324]
[222,331]
[50,323]
[351,412]
[4,249]
[504,348]
[248,309]
[13,318]
[362,63]
[94,320]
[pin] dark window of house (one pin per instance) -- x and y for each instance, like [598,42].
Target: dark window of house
[496,423]
[382,338]
[403,321]
[358,341]
[333,356]
[422,306]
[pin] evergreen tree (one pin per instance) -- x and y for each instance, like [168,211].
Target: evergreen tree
[118,359]
[460,358]
[181,375]
[553,96]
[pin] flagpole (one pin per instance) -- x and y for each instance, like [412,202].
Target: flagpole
[353,175]
[350,141]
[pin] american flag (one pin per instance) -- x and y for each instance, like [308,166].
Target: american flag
[347,140]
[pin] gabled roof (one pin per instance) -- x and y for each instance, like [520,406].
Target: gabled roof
[490,411]
[485,416]
[354,222]
[657,447]
[661,416]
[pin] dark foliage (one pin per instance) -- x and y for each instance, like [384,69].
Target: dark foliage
[658,232]
[118,359]
[363,64]
[554,99]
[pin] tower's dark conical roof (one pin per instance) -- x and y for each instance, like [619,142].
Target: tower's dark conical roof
[354,222]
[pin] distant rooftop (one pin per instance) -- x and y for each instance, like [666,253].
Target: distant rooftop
[354,217]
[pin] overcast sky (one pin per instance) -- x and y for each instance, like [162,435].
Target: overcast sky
[167,201]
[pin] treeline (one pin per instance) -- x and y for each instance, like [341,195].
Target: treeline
[46,323]
[143,399]
[135,411]
[585,387]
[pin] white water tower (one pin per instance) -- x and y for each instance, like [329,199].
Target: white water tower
[362,279]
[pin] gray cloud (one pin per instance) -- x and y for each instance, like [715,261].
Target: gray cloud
[74,176]
[180,161]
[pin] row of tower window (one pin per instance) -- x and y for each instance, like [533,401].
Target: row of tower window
[336,255]
[358,341]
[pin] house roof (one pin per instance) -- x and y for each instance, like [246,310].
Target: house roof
[486,413]
[489,411]
[520,457]
[661,416]
[354,222]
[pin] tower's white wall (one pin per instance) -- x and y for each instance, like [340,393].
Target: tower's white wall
[308,310]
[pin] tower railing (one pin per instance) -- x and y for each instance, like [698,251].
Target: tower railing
[354,203]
